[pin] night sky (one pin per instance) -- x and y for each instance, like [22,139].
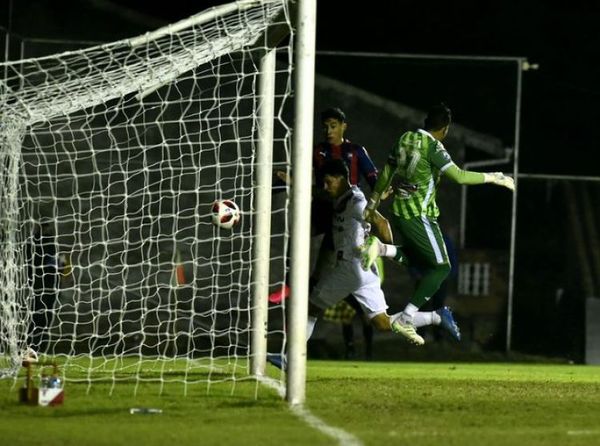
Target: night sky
[559,111]
[559,108]
[558,101]
[558,121]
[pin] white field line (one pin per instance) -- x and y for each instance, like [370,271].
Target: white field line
[342,437]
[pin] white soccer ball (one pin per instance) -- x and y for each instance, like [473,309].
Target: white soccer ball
[29,355]
[225,214]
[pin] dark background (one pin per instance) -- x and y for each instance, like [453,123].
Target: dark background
[559,111]
[558,103]
[557,124]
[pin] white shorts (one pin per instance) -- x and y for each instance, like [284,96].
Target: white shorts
[348,277]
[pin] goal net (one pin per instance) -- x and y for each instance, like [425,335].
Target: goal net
[111,158]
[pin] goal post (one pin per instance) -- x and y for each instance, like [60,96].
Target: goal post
[118,152]
[305,75]
[266,109]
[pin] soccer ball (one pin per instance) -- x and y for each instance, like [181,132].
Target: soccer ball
[225,214]
[29,355]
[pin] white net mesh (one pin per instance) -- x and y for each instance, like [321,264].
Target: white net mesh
[111,158]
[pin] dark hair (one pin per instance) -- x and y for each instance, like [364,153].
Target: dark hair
[438,117]
[335,168]
[333,113]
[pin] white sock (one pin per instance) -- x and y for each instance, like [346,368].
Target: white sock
[388,250]
[423,318]
[410,310]
[310,326]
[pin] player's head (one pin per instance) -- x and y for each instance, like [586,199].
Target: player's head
[334,125]
[335,177]
[438,120]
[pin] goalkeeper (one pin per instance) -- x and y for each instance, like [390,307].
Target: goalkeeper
[347,276]
[419,158]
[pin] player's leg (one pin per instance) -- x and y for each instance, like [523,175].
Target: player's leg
[373,249]
[368,337]
[367,330]
[371,298]
[321,226]
[348,336]
[314,312]
[384,322]
[335,285]
[425,242]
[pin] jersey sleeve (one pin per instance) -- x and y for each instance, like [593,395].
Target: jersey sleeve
[318,162]
[366,166]
[385,177]
[439,156]
[465,177]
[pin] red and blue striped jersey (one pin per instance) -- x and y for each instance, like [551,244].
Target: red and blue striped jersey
[356,157]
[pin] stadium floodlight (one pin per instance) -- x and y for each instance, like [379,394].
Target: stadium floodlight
[122,148]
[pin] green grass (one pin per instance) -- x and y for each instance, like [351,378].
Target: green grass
[379,403]
[461,404]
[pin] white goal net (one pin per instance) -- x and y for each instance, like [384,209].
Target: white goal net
[110,159]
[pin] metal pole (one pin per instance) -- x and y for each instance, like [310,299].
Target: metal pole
[513,226]
[422,56]
[262,244]
[8,31]
[463,216]
[301,196]
[551,176]
[195,20]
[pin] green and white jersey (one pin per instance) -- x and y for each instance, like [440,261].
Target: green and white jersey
[418,159]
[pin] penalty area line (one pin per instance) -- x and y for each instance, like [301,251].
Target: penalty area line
[342,437]
[584,432]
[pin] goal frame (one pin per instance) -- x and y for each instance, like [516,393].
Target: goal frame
[303,21]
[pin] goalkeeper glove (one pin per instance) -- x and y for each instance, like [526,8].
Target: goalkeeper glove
[371,206]
[500,179]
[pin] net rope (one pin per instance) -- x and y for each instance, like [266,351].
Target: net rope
[111,157]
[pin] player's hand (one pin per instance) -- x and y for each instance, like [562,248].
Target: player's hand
[500,179]
[369,211]
[386,194]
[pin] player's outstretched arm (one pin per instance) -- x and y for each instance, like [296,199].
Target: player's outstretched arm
[383,183]
[383,228]
[467,177]
[460,176]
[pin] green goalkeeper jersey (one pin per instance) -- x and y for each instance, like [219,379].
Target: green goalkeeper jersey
[419,159]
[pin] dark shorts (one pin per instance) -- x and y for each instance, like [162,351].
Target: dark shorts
[423,242]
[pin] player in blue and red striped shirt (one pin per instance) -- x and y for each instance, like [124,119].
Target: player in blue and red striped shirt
[360,167]
[336,146]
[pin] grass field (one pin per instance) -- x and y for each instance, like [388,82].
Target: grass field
[378,403]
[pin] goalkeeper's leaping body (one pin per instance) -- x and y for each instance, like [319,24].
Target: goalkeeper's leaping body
[419,158]
[348,276]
